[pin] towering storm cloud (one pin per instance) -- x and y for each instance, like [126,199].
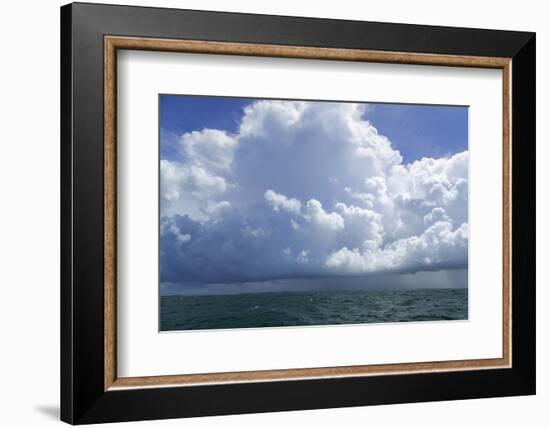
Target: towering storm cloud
[306,189]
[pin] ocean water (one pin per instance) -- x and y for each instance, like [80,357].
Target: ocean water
[178,312]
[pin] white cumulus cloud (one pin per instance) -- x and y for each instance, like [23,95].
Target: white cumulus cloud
[319,217]
[304,189]
[281,202]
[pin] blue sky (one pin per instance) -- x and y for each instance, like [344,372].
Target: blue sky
[414,130]
[260,194]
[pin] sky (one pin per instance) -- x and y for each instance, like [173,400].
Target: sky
[272,195]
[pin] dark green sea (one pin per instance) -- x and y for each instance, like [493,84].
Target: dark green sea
[181,312]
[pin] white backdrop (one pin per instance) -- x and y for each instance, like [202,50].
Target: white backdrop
[29,242]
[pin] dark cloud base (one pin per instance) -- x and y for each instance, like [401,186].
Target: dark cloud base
[445,278]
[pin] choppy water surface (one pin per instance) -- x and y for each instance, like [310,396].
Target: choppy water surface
[311,308]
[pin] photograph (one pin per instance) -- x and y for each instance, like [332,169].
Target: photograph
[262,212]
[290,212]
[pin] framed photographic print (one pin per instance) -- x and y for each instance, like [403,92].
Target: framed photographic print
[266,213]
